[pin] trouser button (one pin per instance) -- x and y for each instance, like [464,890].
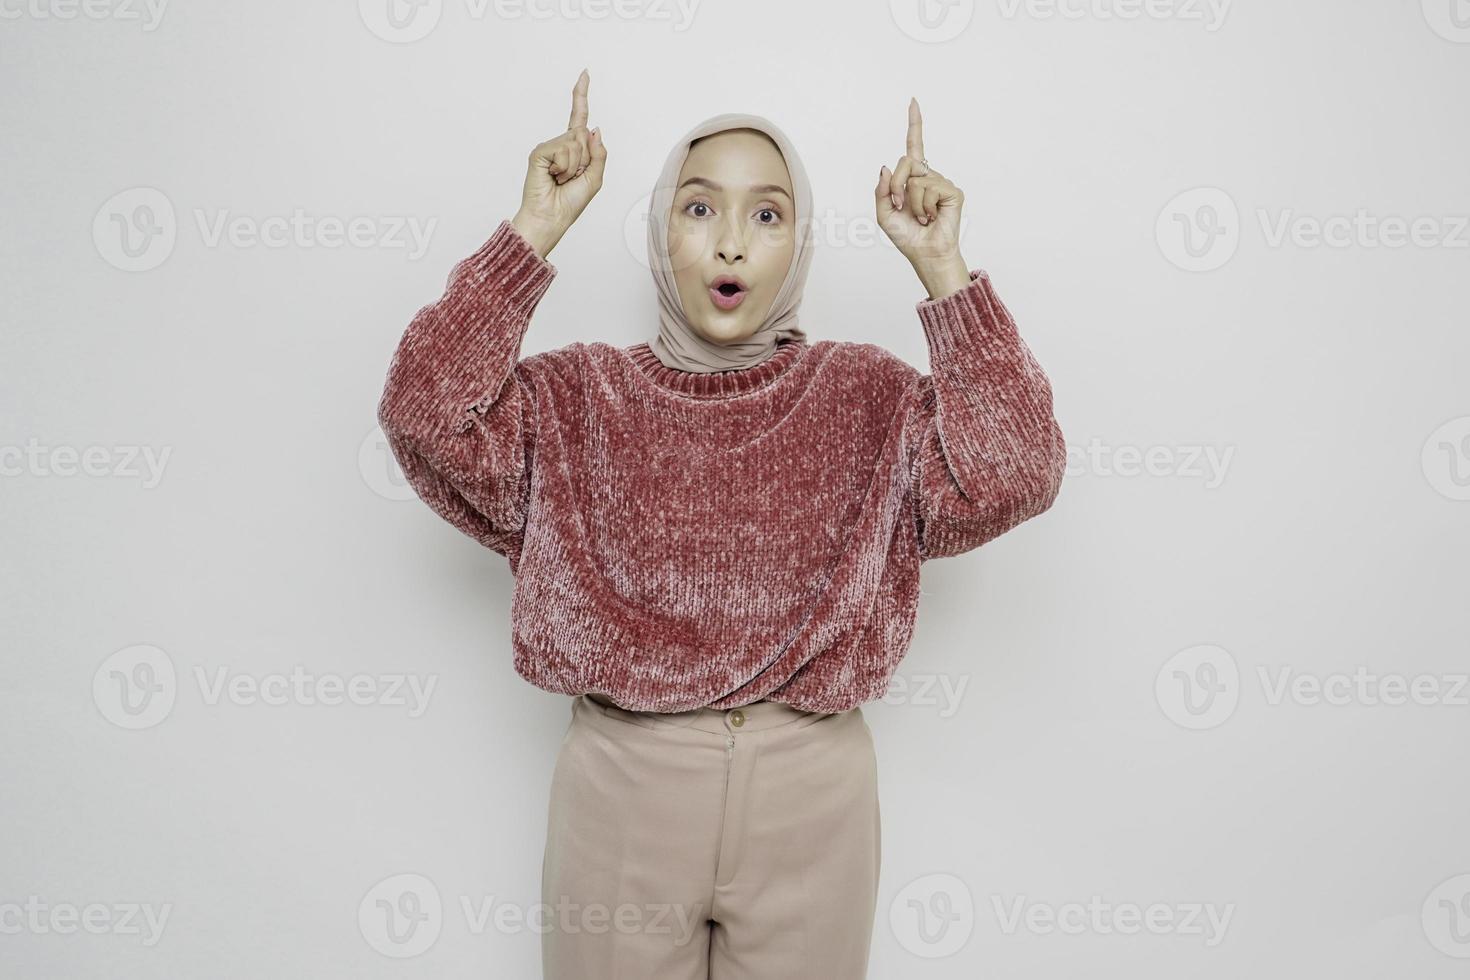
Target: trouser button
[737,718]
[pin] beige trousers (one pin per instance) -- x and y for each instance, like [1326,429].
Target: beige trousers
[738,844]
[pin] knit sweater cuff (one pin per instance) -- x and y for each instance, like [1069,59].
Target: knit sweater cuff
[508,262]
[969,319]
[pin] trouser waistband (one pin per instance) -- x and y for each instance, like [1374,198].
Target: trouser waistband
[755,717]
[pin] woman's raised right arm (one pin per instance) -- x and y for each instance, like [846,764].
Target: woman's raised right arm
[459,416]
[458,419]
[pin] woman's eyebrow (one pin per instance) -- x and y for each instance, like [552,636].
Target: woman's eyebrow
[757,188]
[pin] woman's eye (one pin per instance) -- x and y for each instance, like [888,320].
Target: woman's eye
[775,215]
[697,204]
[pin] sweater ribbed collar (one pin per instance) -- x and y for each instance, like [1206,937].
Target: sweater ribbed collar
[718,384]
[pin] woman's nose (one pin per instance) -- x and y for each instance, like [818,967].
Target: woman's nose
[730,246]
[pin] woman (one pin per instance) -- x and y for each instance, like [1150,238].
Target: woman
[716,537]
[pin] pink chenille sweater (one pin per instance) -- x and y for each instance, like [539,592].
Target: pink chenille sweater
[684,539]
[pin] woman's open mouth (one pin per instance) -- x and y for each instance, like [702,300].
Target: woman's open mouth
[726,292]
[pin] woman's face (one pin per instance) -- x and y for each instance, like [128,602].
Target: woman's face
[733,216]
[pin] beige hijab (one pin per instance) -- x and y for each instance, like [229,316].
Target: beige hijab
[677,344]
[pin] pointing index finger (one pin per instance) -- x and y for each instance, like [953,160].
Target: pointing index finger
[579,101]
[916,131]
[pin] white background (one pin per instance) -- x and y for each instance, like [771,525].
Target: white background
[1075,755]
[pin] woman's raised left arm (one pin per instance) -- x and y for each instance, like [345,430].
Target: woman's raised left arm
[986,449]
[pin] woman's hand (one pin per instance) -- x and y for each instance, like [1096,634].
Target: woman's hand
[919,211]
[562,175]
